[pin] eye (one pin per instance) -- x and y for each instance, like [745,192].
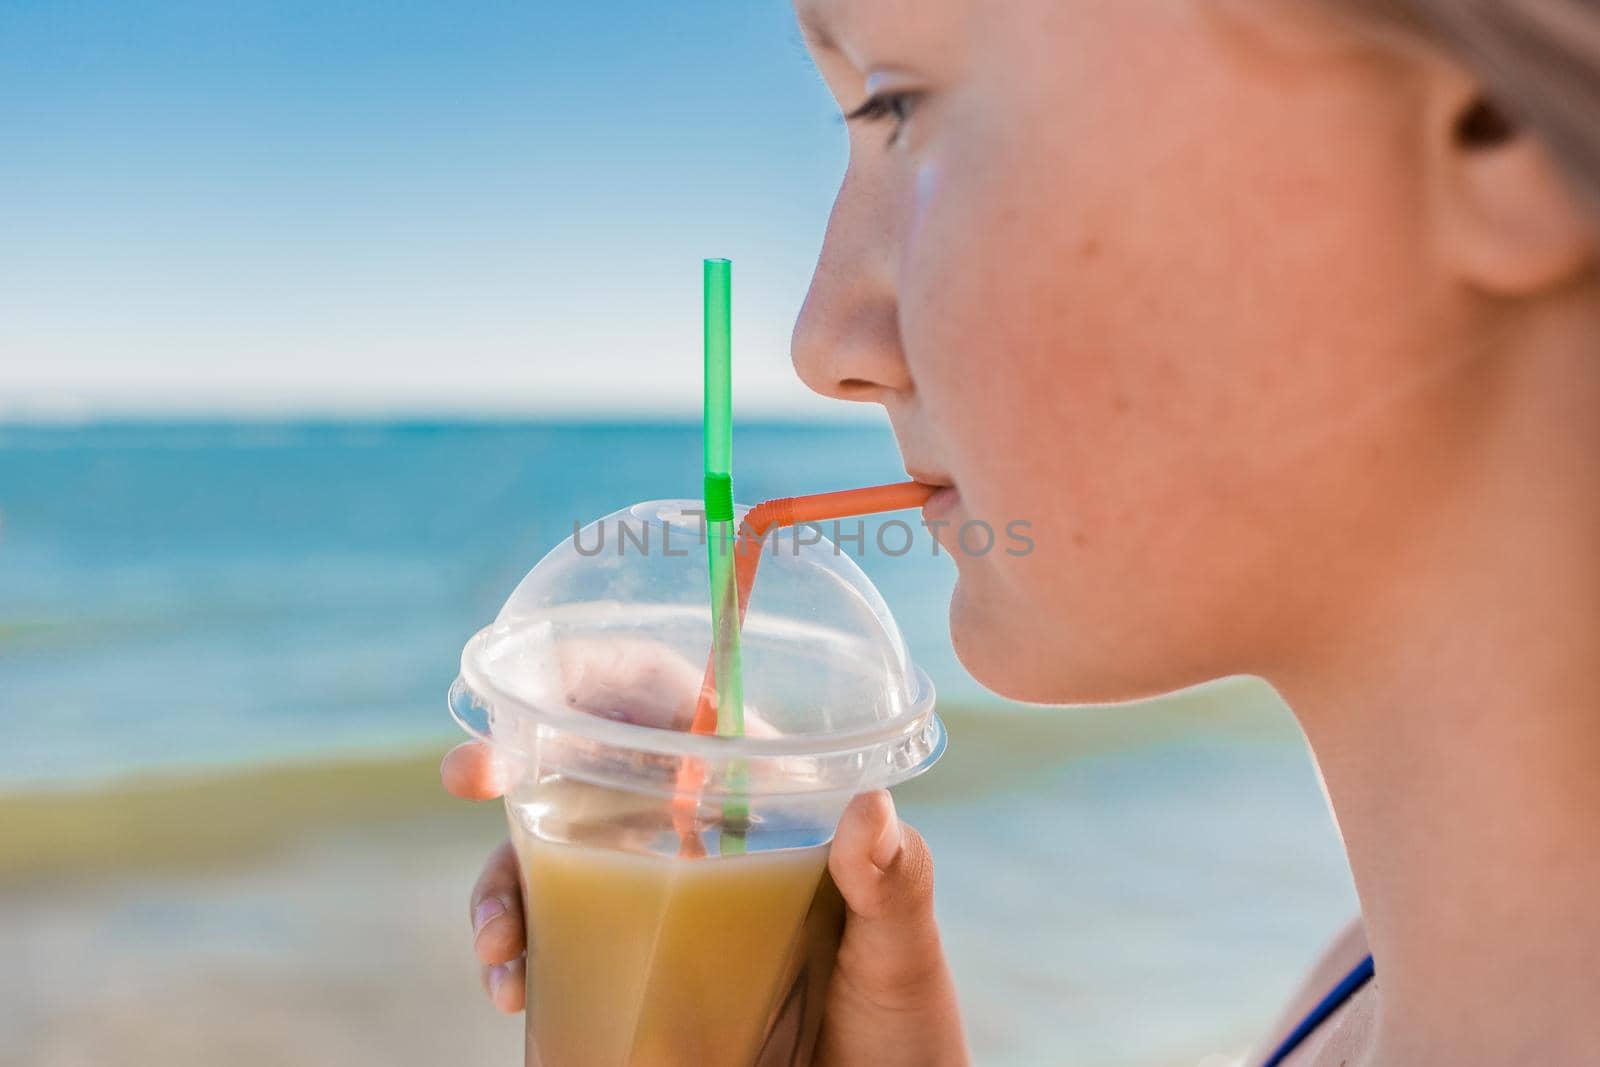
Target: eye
[892,107]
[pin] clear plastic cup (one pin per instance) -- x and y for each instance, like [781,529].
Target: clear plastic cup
[676,884]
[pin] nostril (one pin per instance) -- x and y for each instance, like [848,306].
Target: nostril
[857,390]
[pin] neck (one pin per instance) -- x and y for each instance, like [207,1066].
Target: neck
[1457,727]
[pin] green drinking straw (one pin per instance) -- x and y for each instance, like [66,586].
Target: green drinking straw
[720,529]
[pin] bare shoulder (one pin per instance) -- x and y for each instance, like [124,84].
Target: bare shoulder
[1346,950]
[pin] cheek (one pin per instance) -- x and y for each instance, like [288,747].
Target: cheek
[1150,317]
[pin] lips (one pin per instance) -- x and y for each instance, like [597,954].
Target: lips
[928,477]
[944,497]
[939,506]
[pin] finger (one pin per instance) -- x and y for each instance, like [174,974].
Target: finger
[881,865]
[498,932]
[506,984]
[471,772]
[885,873]
[642,682]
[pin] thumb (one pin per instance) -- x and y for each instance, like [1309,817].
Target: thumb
[885,873]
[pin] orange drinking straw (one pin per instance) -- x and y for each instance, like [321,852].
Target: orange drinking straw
[758,522]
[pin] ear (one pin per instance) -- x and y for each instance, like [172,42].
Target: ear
[1509,225]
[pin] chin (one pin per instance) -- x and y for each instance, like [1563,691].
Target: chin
[1053,663]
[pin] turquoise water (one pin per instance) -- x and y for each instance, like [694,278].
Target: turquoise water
[186,594]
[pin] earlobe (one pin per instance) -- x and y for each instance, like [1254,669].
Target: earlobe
[1510,225]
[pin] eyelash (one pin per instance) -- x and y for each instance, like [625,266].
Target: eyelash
[892,106]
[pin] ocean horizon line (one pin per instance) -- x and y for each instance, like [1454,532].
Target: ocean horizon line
[134,418]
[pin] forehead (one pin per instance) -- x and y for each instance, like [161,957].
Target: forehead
[818,19]
[831,23]
[815,21]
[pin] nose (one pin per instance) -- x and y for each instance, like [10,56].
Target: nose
[846,341]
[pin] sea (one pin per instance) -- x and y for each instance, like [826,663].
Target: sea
[191,595]
[174,594]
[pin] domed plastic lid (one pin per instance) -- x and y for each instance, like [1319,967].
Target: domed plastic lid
[597,660]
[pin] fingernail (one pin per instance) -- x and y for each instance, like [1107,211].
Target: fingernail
[497,975]
[887,847]
[486,910]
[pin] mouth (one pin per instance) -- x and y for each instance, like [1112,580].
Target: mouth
[944,500]
[930,477]
[945,495]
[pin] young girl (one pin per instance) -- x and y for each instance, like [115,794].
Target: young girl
[1280,321]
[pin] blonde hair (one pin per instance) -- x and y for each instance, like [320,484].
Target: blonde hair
[1539,61]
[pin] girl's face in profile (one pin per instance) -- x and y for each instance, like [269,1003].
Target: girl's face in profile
[1153,276]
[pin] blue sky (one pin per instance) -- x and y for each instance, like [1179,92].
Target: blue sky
[285,205]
